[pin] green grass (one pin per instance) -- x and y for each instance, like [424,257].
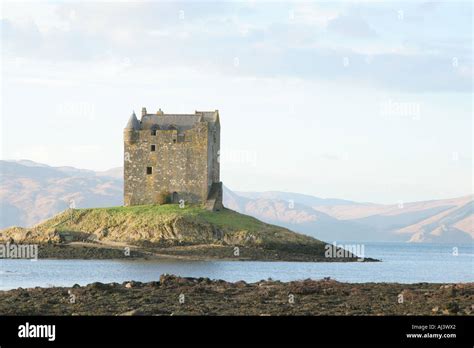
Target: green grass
[155,223]
[191,225]
[227,219]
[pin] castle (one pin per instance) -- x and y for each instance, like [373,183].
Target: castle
[173,158]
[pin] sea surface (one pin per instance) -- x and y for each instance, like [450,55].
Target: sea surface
[401,263]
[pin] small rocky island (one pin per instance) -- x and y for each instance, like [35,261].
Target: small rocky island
[173,206]
[169,231]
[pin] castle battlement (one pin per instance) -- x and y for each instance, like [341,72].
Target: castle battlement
[172,157]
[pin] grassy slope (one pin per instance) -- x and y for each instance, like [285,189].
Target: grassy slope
[158,224]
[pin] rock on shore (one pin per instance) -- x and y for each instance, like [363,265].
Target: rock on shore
[173,295]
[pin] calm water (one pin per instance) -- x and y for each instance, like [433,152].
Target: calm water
[402,263]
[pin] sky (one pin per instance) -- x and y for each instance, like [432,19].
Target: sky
[367,101]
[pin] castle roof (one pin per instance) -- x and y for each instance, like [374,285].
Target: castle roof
[181,121]
[133,122]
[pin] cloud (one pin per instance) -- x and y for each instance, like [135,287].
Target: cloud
[352,27]
[428,6]
[19,38]
[333,156]
[314,14]
[342,43]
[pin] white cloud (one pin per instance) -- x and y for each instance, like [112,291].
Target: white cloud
[209,38]
[313,14]
[43,14]
[85,66]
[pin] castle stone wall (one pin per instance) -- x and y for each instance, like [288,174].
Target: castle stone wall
[183,168]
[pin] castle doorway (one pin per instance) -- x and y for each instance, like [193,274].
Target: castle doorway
[175,197]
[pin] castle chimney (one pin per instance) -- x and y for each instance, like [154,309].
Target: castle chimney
[143,111]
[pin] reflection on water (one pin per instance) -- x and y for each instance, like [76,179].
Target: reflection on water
[402,263]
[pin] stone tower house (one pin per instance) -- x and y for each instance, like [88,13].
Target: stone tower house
[173,157]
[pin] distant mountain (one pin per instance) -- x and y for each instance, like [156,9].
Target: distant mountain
[31,192]
[116,173]
[296,198]
[449,224]
[444,220]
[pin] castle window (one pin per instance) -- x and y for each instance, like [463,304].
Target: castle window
[149,170]
[153,148]
[154,128]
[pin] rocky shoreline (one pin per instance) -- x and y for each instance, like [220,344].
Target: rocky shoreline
[98,251]
[171,232]
[173,295]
